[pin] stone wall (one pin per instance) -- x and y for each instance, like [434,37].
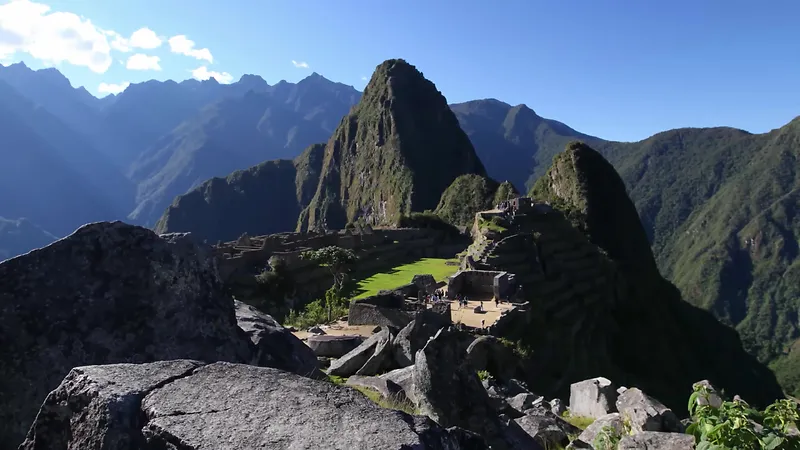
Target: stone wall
[480,283]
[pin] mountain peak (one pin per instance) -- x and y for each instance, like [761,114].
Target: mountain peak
[523,110]
[592,192]
[251,79]
[396,152]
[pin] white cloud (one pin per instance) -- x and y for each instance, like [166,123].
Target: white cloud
[185,46]
[145,38]
[140,61]
[52,37]
[300,64]
[202,73]
[106,88]
[364,78]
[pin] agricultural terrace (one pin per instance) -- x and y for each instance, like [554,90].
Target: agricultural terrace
[400,275]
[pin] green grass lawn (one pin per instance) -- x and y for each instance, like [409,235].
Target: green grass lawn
[401,275]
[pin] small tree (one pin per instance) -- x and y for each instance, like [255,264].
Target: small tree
[338,261]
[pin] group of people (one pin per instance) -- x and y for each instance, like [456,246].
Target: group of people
[437,296]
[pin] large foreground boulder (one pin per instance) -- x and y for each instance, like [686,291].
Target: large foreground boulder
[274,345]
[108,293]
[449,391]
[222,406]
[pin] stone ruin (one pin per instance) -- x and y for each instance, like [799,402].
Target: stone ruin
[396,307]
[482,284]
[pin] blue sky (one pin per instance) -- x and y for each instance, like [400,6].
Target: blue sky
[617,69]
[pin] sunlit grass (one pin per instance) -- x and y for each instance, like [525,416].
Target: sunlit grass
[403,274]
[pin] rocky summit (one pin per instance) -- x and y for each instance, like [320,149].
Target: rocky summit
[397,151]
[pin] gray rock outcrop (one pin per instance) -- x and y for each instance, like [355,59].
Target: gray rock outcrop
[404,378]
[354,360]
[108,293]
[222,406]
[557,407]
[449,391]
[645,413]
[381,357]
[274,345]
[525,401]
[611,422]
[333,346]
[594,397]
[387,388]
[548,429]
[490,354]
[415,335]
[651,440]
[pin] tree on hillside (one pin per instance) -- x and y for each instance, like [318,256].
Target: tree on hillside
[338,261]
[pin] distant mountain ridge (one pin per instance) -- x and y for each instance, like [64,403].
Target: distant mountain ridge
[514,142]
[160,139]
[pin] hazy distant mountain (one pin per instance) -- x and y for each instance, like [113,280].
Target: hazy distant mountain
[49,173]
[20,236]
[234,133]
[514,143]
[266,198]
[51,90]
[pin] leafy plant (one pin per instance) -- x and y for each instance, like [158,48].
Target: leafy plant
[734,424]
[607,439]
[484,375]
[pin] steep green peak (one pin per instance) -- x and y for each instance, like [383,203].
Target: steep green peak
[584,185]
[395,153]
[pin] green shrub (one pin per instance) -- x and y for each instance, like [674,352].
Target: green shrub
[736,425]
[607,439]
[320,311]
[484,375]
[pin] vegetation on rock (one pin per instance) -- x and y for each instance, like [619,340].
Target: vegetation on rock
[395,153]
[720,206]
[470,194]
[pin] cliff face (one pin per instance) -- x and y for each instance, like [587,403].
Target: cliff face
[598,305]
[397,151]
[263,199]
